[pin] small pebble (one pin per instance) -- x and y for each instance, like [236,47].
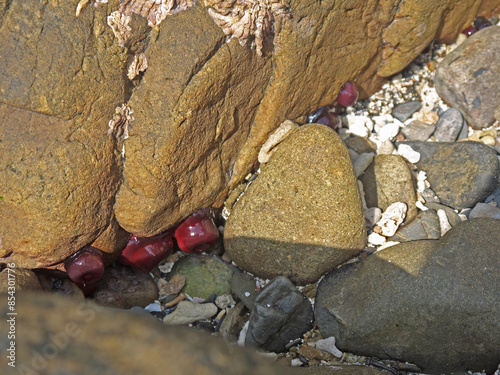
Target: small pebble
[385,148]
[408,153]
[362,162]
[404,111]
[418,131]
[328,345]
[189,312]
[391,219]
[449,125]
[389,131]
[359,125]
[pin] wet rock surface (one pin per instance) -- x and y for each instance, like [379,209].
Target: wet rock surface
[281,314]
[429,302]
[467,77]
[60,335]
[302,215]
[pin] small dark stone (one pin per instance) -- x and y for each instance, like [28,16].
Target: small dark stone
[425,226]
[449,125]
[404,111]
[243,286]
[418,131]
[281,313]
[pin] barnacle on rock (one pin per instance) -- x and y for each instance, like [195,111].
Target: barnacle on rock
[138,65]
[119,24]
[118,126]
[154,10]
[247,20]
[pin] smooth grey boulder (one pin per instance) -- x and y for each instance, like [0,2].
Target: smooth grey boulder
[281,313]
[460,173]
[432,303]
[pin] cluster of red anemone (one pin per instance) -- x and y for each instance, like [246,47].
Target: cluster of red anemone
[195,234]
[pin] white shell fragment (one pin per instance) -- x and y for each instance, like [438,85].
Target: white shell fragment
[154,10]
[328,345]
[119,24]
[443,222]
[359,125]
[268,148]
[118,126]
[376,239]
[188,312]
[389,131]
[83,3]
[408,153]
[391,219]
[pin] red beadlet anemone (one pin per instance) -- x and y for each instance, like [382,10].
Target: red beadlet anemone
[348,94]
[197,233]
[144,253]
[85,268]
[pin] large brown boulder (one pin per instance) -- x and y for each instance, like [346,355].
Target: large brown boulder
[57,335]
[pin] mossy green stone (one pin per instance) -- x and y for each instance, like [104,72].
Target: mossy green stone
[205,275]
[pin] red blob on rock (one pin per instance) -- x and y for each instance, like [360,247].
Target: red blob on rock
[469,31]
[348,94]
[85,268]
[144,253]
[197,233]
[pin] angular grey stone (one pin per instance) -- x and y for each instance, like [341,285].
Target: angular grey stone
[462,173]
[425,226]
[452,216]
[281,313]
[418,131]
[243,286]
[449,125]
[467,78]
[404,111]
[485,210]
[188,312]
[431,303]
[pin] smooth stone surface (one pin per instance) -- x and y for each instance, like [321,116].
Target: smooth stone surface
[205,275]
[57,335]
[425,226]
[449,125]
[485,210]
[428,302]
[360,145]
[468,77]
[389,180]
[243,287]
[281,314]
[302,215]
[462,173]
[124,288]
[452,216]
[418,131]
[20,279]
[404,111]
[188,312]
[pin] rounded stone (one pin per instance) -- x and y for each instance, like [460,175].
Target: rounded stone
[389,180]
[302,215]
[205,275]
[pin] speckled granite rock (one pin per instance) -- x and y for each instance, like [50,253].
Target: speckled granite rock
[462,173]
[467,78]
[388,180]
[56,335]
[428,302]
[302,215]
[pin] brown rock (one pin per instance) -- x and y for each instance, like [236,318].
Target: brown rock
[466,78]
[124,288]
[302,215]
[312,353]
[59,173]
[19,279]
[389,180]
[61,335]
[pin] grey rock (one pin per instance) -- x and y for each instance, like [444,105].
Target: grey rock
[449,126]
[432,303]
[188,312]
[468,77]
[404,111]
[243,286]
[124,288]
[65,336]
[388,180]
[452,216]
[302,216]
[205,275]
[485,210]
[425,226]
[462,173]
[360,145]
[418,131]
[281,314]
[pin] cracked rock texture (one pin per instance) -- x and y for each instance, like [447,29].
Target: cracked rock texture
[431,303]
[202,108]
